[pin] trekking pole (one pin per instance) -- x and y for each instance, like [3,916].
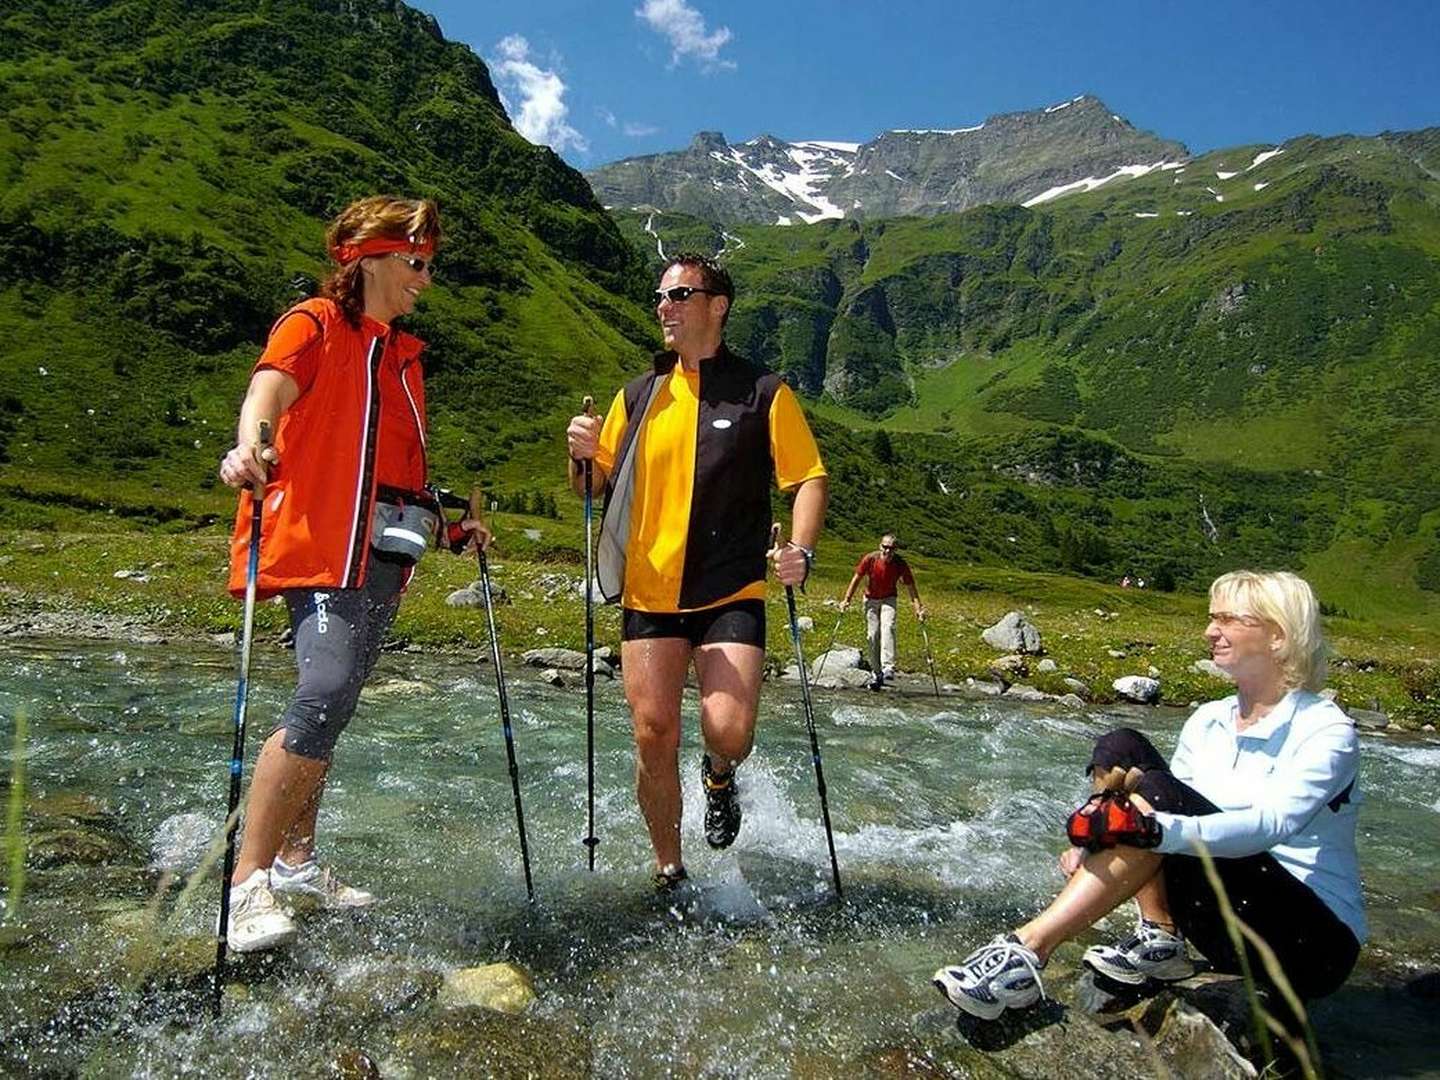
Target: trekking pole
[242,704]
[591,840]
[820,666]
[929,657]
[476,502]
[810,721]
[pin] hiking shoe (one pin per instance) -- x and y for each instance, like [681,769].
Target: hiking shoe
[1001,975]
[256,921]
[316,884]
[1151,952]
[722,806]
[877,683]
[669,878]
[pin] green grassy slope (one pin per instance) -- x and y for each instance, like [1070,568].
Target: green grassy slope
[1256,332]
[169,170]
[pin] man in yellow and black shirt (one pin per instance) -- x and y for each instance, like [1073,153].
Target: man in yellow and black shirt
[685,456]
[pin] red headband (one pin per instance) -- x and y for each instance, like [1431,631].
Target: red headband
[380,245]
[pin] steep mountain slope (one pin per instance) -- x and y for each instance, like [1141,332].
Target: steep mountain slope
[168,172]
[1009,158]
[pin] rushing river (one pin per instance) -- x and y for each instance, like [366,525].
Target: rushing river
[947,823]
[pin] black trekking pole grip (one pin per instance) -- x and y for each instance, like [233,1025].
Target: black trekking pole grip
[591,841]
[242,705]
[810,723]
[476,507]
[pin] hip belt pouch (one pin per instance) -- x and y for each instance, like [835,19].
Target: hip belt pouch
[401,532]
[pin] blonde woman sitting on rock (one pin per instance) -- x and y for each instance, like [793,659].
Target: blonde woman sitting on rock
[1265,780]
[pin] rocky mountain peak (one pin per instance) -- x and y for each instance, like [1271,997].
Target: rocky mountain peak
[1010,157]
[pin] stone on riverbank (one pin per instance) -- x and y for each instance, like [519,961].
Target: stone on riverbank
[1013,634]
[1210,668]
[1370,719]
[1140,689]
[1009,669]
[564,659]
[840,658]
[505,988]
[1021,692]
[1075,686]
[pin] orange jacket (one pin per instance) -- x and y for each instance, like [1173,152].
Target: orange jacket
[360,389]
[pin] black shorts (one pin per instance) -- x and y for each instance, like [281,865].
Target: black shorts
[1315,948]
[742,621]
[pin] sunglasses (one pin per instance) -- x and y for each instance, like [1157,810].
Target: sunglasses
[414,262]
[678,294]
[887,547]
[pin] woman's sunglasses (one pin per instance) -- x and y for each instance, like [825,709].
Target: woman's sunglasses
[414,262]
[678,294]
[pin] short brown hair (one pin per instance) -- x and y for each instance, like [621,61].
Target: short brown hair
[364,219]
[712,274]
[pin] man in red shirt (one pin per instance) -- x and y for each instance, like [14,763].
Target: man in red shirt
[883,569]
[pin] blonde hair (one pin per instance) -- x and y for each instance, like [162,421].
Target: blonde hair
[1286,600]
[375,215]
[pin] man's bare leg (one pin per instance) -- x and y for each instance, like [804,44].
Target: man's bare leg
[730,674]
[654,671]
[285,785]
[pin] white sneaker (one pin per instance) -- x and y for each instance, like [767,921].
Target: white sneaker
[256,921]
[317,884]
[1150,953]
[1001,975]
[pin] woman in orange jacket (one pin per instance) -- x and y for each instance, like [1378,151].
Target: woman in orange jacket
[345,517]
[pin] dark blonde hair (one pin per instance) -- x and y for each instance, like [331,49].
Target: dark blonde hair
[385,216]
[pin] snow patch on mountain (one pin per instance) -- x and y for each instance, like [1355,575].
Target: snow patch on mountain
[1264,156]
[1090,183]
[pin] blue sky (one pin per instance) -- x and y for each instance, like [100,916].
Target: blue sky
[605,79]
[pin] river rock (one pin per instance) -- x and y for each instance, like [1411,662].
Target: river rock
[985,687]
[1047,667]
[1370,719]
[843,679]
[1071,701]
[1021,692]
[384,988]
[1009,668]
[840,658]
[1138,688]
[1013,634]
[503,987]
[181,840]
[552,677]
[1210,668]
[473,595]
[565,659]
[1075,686]
[473,1041]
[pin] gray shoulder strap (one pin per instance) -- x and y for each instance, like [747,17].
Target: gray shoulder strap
[615,527]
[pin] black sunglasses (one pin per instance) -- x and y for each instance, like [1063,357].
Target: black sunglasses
[414,262]
[678,294]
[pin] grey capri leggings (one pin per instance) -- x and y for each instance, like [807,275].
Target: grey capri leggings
[338,634]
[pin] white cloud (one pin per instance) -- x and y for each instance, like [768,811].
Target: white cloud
[684,26]
[606,115]
[541,92]
[639,131]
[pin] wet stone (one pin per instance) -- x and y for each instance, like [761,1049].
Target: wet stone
[473,1041]
[504,987]
[388,989]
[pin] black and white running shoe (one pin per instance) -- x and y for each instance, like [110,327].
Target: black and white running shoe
[1001,975]
[1151,952]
